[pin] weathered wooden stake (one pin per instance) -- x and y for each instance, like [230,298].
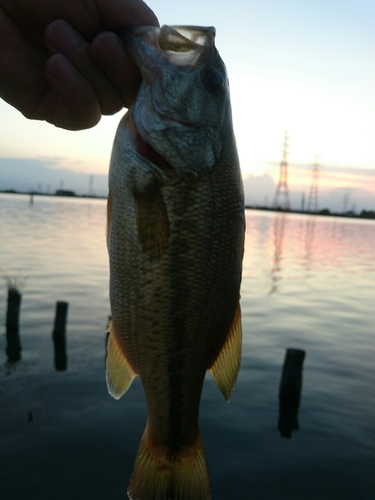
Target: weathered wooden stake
[290,391]
[59,336]
[14,348]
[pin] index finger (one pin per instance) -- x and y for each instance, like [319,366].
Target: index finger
[109,52]
[118,13]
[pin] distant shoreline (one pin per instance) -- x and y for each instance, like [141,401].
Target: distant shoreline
[63,193]
[365,214]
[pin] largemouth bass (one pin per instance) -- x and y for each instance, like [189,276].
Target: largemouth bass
[175,240]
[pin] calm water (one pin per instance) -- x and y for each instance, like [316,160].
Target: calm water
[308,283]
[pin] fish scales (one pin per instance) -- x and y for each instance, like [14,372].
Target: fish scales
[175,243]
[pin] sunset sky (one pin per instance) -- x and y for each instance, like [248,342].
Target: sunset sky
[306,67]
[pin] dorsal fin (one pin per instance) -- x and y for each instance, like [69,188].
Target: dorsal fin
[227,365]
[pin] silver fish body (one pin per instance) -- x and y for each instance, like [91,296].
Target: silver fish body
[175,241]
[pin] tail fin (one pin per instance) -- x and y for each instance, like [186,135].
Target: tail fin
[165,475]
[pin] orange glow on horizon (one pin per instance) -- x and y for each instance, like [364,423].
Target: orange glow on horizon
[299,178]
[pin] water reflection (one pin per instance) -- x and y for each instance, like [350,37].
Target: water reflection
[290,392]
[309,242]
[279,225]
[63,253]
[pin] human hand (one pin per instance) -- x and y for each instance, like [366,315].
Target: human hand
[63,62]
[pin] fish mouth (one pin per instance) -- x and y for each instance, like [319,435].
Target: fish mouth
[180,45]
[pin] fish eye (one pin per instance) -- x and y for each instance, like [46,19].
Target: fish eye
[213,80]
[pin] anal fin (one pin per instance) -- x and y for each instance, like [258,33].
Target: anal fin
[119,373]
[227,365]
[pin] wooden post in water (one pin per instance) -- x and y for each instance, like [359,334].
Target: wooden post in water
[14,348]
[290,391]
[59,336]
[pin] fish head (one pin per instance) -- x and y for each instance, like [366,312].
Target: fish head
[184,95]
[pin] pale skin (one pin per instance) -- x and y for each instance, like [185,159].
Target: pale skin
[62,61]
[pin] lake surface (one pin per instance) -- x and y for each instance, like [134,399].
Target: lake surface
[308,283]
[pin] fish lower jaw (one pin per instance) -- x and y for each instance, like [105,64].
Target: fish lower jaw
[145,150]
[169,172]
[167,122]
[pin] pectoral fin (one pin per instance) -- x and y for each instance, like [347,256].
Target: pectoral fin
[227,365]
[152,222]
[119,373]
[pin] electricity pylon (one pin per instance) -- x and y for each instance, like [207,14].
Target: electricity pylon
[312,204]
[91,183]
[282,187]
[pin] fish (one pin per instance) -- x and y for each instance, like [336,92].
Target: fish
[175,238]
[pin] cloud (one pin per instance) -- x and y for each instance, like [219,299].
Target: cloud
[259,189]
[346,198]
[47,175]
